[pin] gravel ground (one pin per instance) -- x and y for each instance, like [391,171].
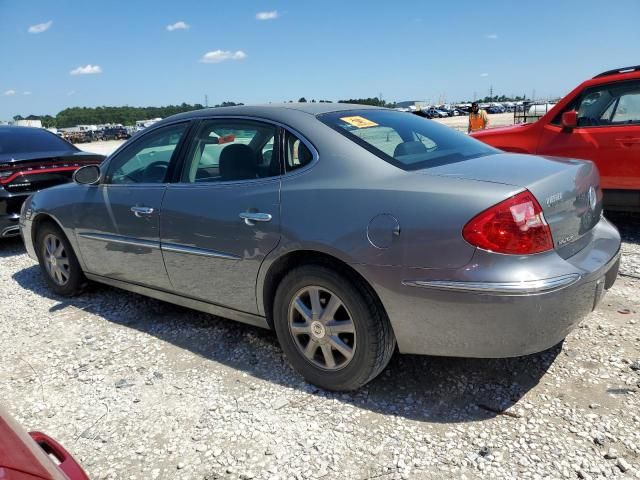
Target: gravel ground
[140,389]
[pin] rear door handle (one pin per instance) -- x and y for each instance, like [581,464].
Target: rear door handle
[142,211]
[250,218]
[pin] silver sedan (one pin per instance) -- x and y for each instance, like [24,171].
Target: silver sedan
[350,231]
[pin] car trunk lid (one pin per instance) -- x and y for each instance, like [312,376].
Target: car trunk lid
[31,172]
[567,190]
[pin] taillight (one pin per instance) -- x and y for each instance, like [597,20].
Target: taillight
[515,226]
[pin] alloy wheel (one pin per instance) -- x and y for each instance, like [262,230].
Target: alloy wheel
[322,328]
[55,259]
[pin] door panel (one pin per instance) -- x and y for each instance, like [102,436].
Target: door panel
[618,163]
[210,252]
[117,243]
[117,225]
[608,133]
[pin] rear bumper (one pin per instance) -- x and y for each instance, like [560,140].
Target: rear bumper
[10,204]
[497,305]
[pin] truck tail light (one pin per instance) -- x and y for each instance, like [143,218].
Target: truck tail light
[515,226]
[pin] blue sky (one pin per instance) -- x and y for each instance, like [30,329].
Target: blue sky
[123,53]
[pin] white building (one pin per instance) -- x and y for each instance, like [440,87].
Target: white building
[28,123]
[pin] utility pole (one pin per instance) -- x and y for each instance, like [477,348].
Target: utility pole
[206,101]
[475,96]
[533,95]
[380,98]
[491,93]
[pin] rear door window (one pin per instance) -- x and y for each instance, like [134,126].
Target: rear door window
[627,109]
[231,150]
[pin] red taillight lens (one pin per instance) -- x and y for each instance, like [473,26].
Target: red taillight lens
[515,226]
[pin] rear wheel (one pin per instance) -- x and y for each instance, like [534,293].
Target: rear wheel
[58,262]
[332,329]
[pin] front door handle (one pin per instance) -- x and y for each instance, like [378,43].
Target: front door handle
[628,140]
[250,218]
[142,211]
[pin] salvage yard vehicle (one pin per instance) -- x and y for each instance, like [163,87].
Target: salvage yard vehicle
[598,121]
[346,229]
[32,159]
[114,133]
[34,455]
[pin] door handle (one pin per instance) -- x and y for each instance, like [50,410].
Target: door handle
[628,140]
[250,218]
[142,211]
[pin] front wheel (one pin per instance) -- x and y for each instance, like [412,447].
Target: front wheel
[58,261]
[332,329]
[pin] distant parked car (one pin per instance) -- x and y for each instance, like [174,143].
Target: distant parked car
[599,121]
[346,229]
[114,133]
[30,456]
[435,113]
[32,159]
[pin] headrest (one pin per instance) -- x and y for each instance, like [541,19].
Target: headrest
[409,148]
[238,162]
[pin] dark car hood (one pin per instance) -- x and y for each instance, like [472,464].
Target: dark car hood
[19,157]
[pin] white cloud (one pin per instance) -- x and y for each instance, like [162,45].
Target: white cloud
[71,92]
[26,93]
[272,15]
[217,56]
[484,74]
[492,36]
[86,70]
[178,26]
[9,93]
[40,27]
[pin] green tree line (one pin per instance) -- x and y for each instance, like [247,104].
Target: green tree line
[70,117]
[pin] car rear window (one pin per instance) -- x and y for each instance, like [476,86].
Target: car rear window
[27,140]
[405,140]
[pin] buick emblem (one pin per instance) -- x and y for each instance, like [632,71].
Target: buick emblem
[593,198]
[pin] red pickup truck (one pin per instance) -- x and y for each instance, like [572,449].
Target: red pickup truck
[599,121]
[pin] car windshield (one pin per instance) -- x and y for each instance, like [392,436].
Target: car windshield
[405,140]
[27,140]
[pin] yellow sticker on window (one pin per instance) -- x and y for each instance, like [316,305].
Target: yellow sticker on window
[359,122]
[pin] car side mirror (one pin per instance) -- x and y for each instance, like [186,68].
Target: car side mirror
[570,119]
[87,175]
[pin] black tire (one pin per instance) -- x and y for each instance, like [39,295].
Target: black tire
[73,280]
[373,344]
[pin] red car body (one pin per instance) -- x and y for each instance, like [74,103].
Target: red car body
[33,456]
[602,125]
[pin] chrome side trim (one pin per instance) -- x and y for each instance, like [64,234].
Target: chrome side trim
[172,247]
[105,237]
[499,288]
[12,231]
[244,317]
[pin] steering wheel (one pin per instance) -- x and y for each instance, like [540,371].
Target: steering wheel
[160,168]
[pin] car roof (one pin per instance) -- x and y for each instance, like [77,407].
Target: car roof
[21,128]
[270,110]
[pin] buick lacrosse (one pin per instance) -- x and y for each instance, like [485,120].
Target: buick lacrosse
[350,231]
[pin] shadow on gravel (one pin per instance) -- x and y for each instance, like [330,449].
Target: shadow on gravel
[434,389]
[10,247]
[628,224]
